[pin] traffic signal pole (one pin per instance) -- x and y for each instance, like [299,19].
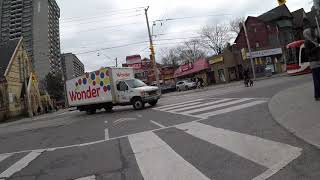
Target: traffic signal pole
[250,52]
[153,60]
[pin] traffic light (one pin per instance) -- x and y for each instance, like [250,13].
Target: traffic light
[281,2]
[33,77]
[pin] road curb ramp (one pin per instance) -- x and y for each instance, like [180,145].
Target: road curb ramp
[296,110]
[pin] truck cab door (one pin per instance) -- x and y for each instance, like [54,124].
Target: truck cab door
[122,92]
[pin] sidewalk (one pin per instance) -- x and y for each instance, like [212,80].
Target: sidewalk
[296,110]
[221,86]
[33,119]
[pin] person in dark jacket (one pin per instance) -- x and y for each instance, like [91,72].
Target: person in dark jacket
[312,50]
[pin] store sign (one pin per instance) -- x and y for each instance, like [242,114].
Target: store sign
[135,59]
[135,66]
[186,67]
[215,60]
[268,52]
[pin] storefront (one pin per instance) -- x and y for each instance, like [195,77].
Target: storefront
[200,68]
[217,69]
[265,59]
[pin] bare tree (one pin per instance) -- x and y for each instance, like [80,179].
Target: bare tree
[235,25]
[191,51]
[215,37]
[170,57]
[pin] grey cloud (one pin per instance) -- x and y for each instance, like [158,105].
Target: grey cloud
[75,38]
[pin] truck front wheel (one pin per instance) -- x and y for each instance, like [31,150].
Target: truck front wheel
[153,103]
[138,104]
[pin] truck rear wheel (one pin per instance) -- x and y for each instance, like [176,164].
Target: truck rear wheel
[153,103]
[108,108]
[91,111]
[138,104]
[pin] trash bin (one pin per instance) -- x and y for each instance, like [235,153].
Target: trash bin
[268,72]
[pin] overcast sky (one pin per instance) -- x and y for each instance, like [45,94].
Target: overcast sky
[100,24]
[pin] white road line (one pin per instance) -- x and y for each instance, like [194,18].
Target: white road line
[5,156]
[230,109]
[261,151]
[216,106]
[158,124]
[179,106]
[170,105]
[277,167]
[106,134]
[201,105]
[93,177]
[19,165]
[157,161]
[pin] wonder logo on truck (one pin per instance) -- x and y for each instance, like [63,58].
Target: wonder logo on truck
[91,86]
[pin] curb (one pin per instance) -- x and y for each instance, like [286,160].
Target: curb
[221,86]
[272,111]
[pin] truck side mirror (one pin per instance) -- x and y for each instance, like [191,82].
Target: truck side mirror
[127,88]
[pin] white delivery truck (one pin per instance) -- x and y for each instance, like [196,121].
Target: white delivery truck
[108,87]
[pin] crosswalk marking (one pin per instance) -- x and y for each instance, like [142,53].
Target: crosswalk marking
[5,156]
[171,105]
[19,165]
[270,154]
[157,161]
[230,109]
[199,109]
[200,105]
[93,177]
[216,106]
[182,105]
[158,124]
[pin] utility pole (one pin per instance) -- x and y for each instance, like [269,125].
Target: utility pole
[153,60]
[250,52]
[116,62]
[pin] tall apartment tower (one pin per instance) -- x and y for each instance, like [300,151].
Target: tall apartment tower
[72,66]
[37,21]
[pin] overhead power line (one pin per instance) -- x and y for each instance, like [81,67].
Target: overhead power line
[114,47]
[109,13]
[95,21]
[192,17]
[108,27]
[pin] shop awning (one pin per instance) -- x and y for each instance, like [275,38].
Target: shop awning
[197,66]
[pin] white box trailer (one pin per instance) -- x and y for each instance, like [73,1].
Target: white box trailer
[108,87]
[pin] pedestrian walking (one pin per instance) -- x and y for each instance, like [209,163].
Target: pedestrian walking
[246,77]
[200,82]
[313,53]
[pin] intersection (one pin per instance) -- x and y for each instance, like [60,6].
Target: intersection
[225,133]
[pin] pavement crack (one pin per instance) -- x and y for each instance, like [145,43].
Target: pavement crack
[124,163]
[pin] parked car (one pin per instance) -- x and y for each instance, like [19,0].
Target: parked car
[185,85]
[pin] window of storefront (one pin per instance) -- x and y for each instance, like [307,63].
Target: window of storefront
[221,75]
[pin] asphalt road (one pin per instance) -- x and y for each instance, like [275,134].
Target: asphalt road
[224,133]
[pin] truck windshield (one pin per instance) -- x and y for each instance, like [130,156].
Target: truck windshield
[135,83]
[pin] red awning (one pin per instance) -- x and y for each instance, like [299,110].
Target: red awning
[197,66]
[295,44]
